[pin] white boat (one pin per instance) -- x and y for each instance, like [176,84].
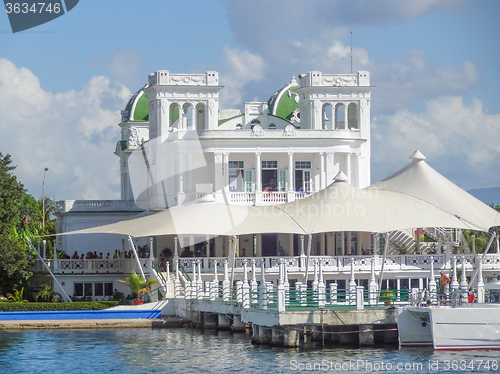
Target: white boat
[468,326]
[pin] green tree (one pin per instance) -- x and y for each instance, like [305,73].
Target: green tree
[15,265]
[48,294]
[481,238]
[137,284]
[11,191]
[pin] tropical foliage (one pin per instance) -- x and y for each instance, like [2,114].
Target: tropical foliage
[21,217]
[137,284]
[47,294]
[481,238]
[17,296]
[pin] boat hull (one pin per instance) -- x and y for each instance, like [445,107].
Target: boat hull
[466,327]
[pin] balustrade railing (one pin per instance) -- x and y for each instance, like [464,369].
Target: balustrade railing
[491,261]
[94,266]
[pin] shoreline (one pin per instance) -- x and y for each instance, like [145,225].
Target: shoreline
[93,324]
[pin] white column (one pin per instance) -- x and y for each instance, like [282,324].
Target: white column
[225,166]
[258,179]
[357,173]
[432,283]
[346,117]
[322,176]
[258,172]
[348,168]
[290,172]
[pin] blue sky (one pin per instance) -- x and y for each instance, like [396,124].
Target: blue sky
[436,65]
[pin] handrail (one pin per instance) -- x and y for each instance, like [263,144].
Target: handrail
[184,272]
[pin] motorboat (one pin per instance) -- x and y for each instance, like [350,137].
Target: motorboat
[452,327]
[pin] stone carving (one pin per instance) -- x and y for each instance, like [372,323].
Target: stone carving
[336,80]
[296,97]
[133,136]
[188,79]
[257,131]
[295,116]
[289,131]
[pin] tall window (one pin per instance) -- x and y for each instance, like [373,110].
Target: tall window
[248,181]
[282,180]
[303,176]
[236,177]
[270,175]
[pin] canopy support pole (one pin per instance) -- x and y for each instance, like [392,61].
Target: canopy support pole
[386,247]
[473,278]
[309,242]
[232,249]
[131,243]
[50,271]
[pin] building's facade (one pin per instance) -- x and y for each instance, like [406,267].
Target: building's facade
[177,145]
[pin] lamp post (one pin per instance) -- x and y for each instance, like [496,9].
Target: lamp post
[43,197]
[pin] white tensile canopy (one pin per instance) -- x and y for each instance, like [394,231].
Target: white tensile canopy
[339,207]
[420,180]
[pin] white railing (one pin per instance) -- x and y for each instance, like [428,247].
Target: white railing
[274,197]
[242,197]
[94,266]
[95,205]
[491,262]
[343,263]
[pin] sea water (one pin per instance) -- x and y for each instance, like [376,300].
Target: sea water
[193,351]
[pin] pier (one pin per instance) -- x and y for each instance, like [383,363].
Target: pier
[279,314]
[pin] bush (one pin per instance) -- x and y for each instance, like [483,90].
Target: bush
[42,307]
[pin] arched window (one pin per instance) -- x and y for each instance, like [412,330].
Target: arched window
[189,117]
[239,126]
[327,116]
[200,117]
[272,126]
[174,116]
[352,111]
[340,116]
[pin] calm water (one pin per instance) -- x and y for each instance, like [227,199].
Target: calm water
[191,351]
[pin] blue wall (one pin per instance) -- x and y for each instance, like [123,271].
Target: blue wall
[80,314]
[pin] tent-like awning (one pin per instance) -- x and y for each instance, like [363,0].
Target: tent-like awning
[339,207]
[418,179]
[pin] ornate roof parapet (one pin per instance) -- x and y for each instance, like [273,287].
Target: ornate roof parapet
[316,78]
[165,78]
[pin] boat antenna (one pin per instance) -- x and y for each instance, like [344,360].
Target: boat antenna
[351,52]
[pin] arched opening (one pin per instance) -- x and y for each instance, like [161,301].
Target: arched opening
[339,116]
[352,110]
[254,122]
[189,117]
[200,117]
[174,116]
[327,116]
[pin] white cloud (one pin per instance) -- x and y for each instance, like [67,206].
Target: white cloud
[124,65]
[460,141]
[238,68]
[72,133]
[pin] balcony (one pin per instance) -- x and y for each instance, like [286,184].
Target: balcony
[94,266]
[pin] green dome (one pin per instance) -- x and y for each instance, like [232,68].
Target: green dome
[284,103]
[137,106]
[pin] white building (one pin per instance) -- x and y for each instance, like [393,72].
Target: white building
[176,146]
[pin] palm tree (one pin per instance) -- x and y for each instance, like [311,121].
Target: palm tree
[137,284]
[47,294]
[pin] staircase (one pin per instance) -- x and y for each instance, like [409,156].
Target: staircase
[401,242]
